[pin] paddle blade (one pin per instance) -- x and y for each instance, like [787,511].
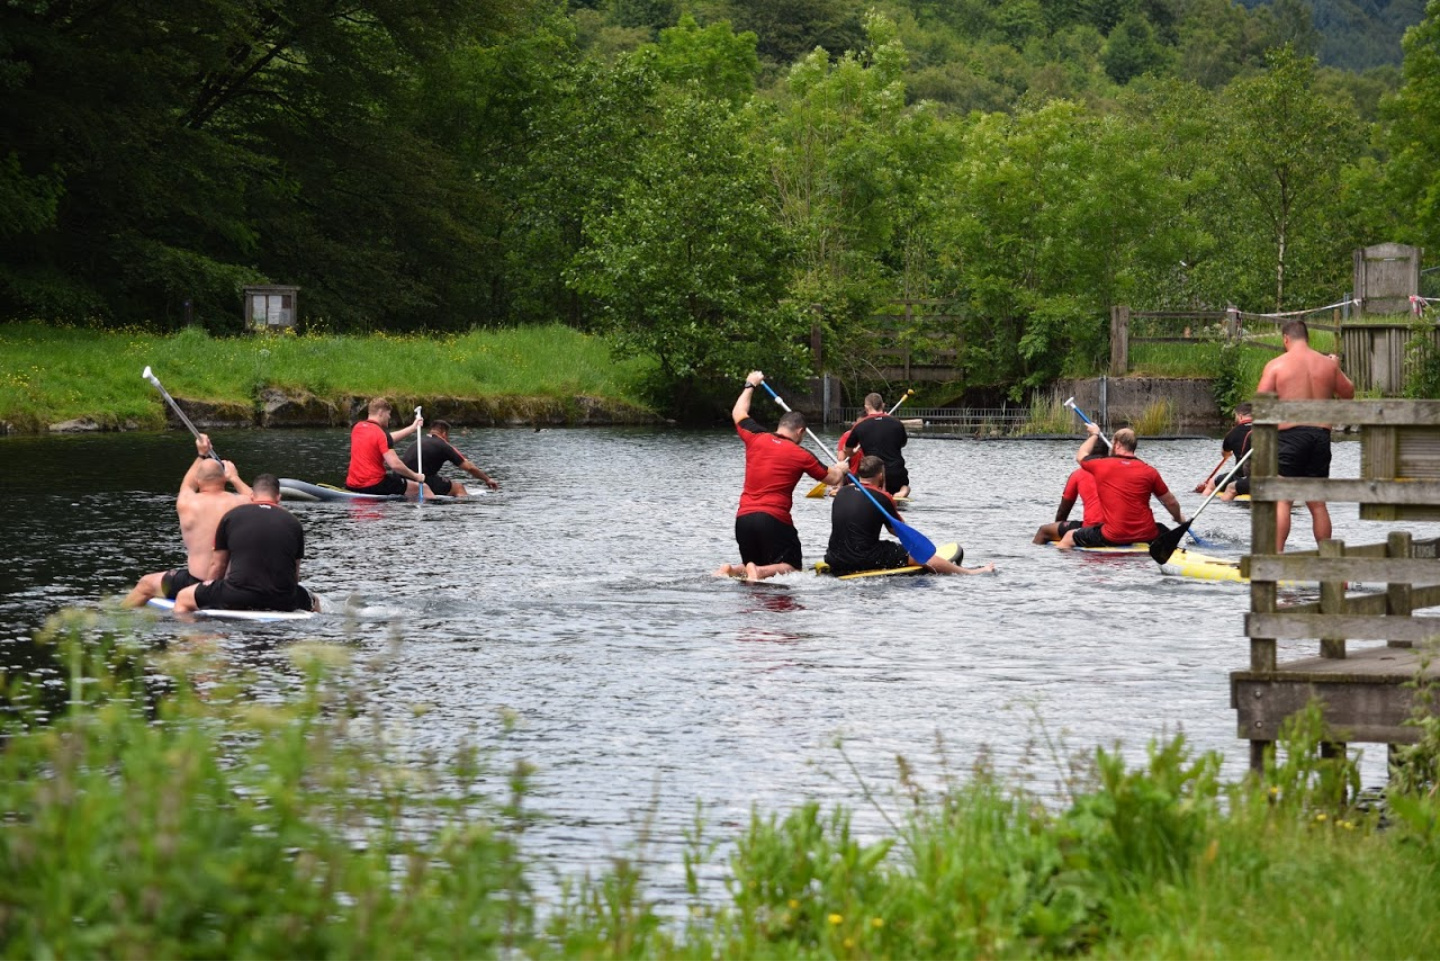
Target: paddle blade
[817,491]
[915,543]
[1163,546]
[1202,542]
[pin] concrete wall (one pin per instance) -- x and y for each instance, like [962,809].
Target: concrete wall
[1114,402]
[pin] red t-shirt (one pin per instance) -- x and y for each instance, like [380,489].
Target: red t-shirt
[368,444]
[773,464]
[1125,484]
[1082,486]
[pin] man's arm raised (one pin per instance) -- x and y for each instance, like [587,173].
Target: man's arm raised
[233,476]
[741,410]
[1089,444]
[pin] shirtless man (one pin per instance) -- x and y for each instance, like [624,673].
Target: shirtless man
[202,501]
[1302,373]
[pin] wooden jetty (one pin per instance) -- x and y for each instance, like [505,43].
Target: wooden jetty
[1367,693]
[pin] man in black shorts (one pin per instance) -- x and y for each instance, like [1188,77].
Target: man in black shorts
[1235,444]
[256,565]
[883,436]
[855,525]
[1303,373]
[435,446]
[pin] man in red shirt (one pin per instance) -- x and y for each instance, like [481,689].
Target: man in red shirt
[372,451]
[1124,484]
[774,463]
[1079,486]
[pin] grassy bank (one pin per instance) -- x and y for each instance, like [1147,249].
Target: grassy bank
[53,374]
[301,827]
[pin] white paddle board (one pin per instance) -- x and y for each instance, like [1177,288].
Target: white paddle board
[169,605]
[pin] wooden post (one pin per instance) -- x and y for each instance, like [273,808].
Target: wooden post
[1332,600]
[1119,340]
[1399,598]
[1265,462]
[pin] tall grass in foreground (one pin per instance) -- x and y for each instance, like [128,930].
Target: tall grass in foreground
[49,374]
[222,827]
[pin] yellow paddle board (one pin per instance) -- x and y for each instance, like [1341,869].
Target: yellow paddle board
[947,551]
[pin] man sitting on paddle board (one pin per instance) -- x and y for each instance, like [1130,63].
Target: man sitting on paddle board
[371,453]
[1125,484]
[774,463]
[1079,485]
[1235,444]
[855,523]
[437,453]
[883,436]
[202,501]
[256,564]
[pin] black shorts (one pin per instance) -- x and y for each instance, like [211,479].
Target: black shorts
[1068,526]
[896,478]
[392,484]
[887,555]
[173,582]
[441,486]
[1091,537]
[766,540]
[1305,452]
[218,595]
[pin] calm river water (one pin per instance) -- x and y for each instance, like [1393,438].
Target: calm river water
[579,600]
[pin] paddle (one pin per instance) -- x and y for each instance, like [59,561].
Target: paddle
[1201,486]
[419,460]
[1070,403]
[915,543]
[176,408]
[1163,546]
[819,489]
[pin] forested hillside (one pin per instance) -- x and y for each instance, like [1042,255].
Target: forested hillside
[704,179]
[1360,34]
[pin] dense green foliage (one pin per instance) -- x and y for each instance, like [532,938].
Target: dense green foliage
[706,179]
[155,808]
[51,374]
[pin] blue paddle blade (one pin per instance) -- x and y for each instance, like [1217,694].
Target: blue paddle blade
[916,544]
[1200,541]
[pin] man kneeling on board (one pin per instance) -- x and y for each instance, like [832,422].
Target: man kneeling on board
[202,501]
[435,446]
[256,564]
[1124,483]
[855,524]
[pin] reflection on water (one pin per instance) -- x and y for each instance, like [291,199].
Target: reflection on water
[579,600]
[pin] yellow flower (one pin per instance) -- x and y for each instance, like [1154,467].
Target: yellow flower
[877,922]
[849,942]
[794,904]
[836,919]
[1322,816]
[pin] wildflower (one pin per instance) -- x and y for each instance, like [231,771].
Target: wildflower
[877,922]
[1322,816]
[794,904]
[836,918]
[849,942]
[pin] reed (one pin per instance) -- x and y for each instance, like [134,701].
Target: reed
[50,374]
[1157,419]
[1048,416]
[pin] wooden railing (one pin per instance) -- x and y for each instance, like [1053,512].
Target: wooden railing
[1369,694]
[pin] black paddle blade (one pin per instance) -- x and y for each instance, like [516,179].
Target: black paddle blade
[1164,545]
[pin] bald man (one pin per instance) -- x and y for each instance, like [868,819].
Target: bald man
[202,501]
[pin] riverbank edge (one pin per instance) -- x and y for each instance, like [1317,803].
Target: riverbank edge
[277,408]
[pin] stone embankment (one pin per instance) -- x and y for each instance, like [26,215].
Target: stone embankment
[278,408]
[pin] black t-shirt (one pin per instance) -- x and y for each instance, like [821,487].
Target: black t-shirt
[265,543]
[438,453]
[855,526]
[1236,443]
[882,437]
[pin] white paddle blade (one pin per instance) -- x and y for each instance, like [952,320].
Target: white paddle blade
[150,377]
[1070,402]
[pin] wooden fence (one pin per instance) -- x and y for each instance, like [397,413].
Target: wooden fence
[1366,694]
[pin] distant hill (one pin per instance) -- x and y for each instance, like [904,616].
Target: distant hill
[1360,34]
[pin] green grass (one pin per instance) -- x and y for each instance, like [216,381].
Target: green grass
[153,808]
[50,374]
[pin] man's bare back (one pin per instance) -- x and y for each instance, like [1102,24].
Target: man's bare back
[200,512]
[1303,373]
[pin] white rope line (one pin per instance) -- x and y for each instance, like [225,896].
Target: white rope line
[1302,313]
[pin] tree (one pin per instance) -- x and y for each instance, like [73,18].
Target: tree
[1412,133]
[690,266]
[1284,150]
